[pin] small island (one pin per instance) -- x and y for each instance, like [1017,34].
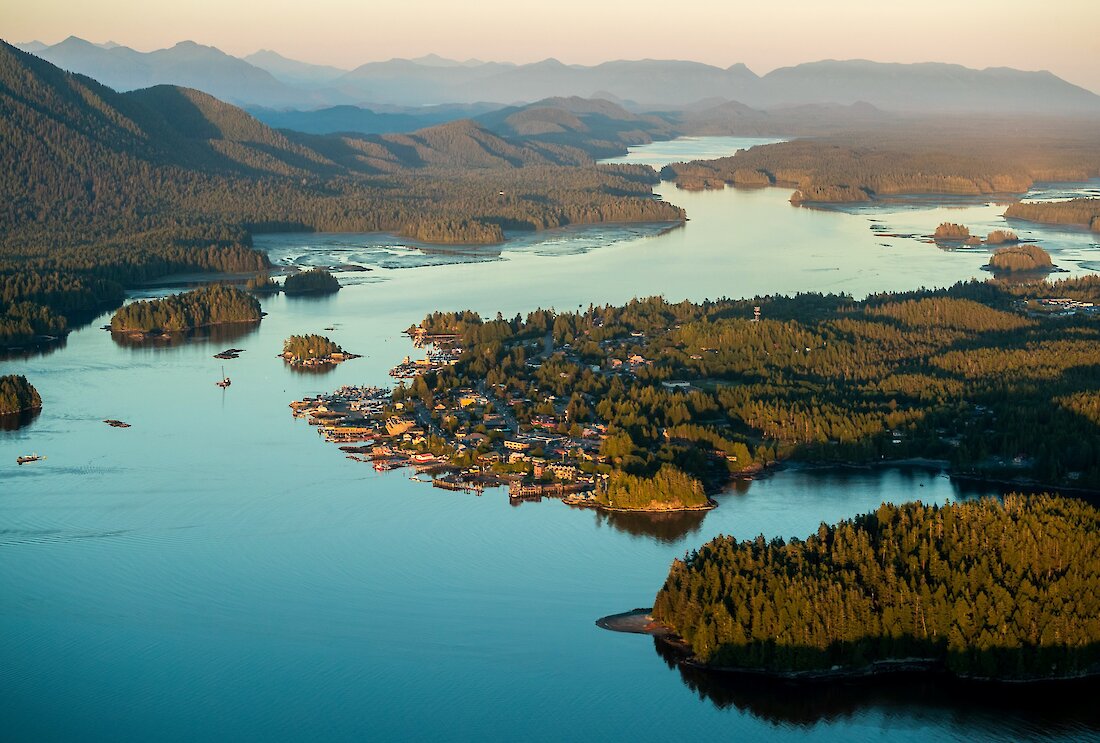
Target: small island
[211,305]
[17,395]
[313,281]
[906,588]
[313,350]
[1002,237]
[1020,259]
[669,489]
[951,232]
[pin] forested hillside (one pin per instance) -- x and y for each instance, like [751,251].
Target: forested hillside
[101,189]
[914,157]
[988,590]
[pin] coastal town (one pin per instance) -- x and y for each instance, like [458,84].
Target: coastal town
[467,442]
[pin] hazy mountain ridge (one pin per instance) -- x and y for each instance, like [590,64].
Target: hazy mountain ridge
[186,64]
[269,79]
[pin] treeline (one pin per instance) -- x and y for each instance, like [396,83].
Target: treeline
[904,159]
[313,281]
[1084,212]
[667,489]
[298,348]
[986,590]
[17,395]
[210,305]
[959,374]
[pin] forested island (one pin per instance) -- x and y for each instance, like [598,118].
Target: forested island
[668,489]
[212,305]
[1020,259]
[982,590]
[313,350]
[996,381]
[17,395]
[313,281]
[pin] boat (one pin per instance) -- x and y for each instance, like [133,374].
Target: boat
[30,458]
[224,381]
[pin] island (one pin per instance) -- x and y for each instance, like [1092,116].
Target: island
[313,281]
[951,232]
[211,305]
[981,590]
[312,351]
[17,395]
[668,489]
[1020,259]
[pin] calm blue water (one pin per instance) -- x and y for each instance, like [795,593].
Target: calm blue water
[217,571]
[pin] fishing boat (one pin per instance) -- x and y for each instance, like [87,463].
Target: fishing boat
[30,458]
[224,380]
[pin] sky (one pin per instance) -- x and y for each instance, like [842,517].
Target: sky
[1062,36]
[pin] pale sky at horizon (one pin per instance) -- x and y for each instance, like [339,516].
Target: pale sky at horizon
[1062,36]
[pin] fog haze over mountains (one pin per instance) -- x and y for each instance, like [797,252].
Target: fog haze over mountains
[270,80]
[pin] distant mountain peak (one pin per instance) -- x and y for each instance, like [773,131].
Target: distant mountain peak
[434,60]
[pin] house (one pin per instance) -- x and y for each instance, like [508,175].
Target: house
[564,471]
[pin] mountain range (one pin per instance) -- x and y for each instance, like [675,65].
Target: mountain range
[271,80]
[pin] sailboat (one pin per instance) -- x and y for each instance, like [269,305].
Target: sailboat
[224,380]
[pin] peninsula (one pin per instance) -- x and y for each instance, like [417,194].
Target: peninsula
[652,405]
[982,590]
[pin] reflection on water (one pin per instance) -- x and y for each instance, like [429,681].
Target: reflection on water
[663,527]
[318,370]
[1011,710]
[30,350]
[14,421]
[212,335]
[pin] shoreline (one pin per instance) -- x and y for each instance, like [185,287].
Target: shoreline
[640,622]
[942,465]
